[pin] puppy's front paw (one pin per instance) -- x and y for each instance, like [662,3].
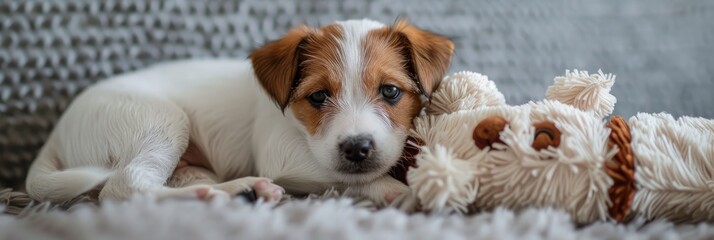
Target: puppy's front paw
[262,188]
[383,192]
[208,193]
[253,188]
[406,202]
[395,198]
[268,191]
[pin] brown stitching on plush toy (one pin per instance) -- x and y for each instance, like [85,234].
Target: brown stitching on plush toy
[546,134]
[621,168]
[488,131]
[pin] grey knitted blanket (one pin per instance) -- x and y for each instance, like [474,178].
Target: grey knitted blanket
[660,50]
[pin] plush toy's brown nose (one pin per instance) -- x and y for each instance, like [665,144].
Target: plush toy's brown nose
[488,131]
[546,134]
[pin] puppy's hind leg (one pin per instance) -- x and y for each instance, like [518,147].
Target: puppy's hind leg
[127,139]
[147,137]
[146,143]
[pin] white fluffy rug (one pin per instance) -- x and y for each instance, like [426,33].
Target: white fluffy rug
[144,218]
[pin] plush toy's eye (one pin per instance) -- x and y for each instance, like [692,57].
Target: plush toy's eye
[390,93]
[488,131]
[546,134]
[318,98]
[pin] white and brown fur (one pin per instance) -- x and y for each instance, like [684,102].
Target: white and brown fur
[203,128]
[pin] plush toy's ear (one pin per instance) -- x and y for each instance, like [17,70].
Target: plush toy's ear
[587,92]
[464,91]
[276,65]
[428,55]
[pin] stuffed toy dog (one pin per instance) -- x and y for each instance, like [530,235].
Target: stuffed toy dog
[477,153]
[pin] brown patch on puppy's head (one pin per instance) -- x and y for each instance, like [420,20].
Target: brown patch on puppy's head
[386,64]
[303,62]
[321,71]
[409,58]
[276,64]
[429,55]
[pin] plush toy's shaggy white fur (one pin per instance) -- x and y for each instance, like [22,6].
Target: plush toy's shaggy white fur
[464,91]
[570,176]
[446,180]
[513,175]
[674,159]
[584,91]
[453,131]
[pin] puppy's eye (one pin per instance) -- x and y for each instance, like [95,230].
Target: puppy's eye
[318,98]
[390,93]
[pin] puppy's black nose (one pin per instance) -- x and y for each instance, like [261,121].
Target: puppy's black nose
[357,149]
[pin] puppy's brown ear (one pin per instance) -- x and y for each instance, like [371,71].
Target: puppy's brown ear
[276,65]
[428,55]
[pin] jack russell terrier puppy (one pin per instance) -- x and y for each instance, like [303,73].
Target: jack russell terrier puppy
[346,95]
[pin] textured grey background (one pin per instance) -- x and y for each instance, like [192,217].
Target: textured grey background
[661,50]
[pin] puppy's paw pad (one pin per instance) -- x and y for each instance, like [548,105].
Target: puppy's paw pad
[208,193]
[268,191]
[390,197]
[202,192]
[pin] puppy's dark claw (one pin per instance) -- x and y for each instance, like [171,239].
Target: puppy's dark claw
[249,195]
